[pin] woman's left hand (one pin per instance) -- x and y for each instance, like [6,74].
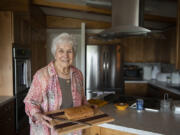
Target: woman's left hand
[43,119]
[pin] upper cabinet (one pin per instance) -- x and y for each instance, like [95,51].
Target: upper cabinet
[178,38]
[15,5]
[22,29]
[145,49]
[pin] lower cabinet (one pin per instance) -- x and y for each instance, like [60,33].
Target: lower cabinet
[92,131]
[157,92]
[136,89]
[147,90]
[103,131]
[7,119]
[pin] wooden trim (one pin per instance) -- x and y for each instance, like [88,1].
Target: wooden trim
[178,37]
[157,18]
[71,6]
[66,22]
[93,41]
[15,5]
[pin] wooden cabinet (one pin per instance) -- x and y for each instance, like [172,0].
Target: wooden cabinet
[103,131]
[38,51]
[6,70]
[144,49]
[147,90]
[15,5]
[22,29]
[156,92]
[38,39]
[7,119]
[178,37]
[136,89]
[92,131]
[27,30]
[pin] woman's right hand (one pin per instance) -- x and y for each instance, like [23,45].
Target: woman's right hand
[43,119]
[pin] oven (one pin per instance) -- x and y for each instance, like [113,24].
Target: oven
[22,81]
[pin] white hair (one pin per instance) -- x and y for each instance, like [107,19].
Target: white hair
[63,38]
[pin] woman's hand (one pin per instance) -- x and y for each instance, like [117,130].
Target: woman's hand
[43,119]
[93,106]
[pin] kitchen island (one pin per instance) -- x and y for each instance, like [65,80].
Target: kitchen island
[143,123]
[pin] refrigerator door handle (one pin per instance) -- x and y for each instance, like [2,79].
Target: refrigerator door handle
[104,67]
[107,61]
[106,70]
[104,63]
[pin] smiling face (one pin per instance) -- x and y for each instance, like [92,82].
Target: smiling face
[64,54]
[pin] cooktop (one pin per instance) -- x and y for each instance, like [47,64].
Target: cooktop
[153,103]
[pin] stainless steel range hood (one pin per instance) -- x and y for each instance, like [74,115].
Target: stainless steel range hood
[125,20]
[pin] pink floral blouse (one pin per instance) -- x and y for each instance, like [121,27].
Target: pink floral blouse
[45,95]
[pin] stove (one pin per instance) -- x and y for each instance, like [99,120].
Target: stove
[152,103]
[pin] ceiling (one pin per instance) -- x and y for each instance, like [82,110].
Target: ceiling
[158,14]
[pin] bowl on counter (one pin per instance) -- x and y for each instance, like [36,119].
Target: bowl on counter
[121,106]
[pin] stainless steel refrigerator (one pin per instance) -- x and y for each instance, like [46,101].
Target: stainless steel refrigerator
[104,70]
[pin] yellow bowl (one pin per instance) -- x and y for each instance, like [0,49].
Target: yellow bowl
[121,106]
[97,102]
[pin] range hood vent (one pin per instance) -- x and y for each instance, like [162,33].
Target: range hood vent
[125,20]
[99,3]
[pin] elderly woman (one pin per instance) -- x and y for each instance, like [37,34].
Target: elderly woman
[59,85]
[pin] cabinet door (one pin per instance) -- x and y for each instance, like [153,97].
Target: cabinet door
[15,5]
[22,29]
[38,49]
[7,119]
[107,131]
[156,92]
[136,89]
[178,37]
[92,131]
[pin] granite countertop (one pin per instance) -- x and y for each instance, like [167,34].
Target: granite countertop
[162,85]
[143,123]
[5,99]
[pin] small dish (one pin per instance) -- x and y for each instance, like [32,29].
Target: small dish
[121,106]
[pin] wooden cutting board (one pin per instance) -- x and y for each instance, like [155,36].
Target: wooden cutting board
[65,127]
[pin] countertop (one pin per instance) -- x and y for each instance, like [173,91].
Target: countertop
[5,99]
[162,85]
[142,123]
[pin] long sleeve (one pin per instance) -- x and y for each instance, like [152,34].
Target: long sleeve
[33,99]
